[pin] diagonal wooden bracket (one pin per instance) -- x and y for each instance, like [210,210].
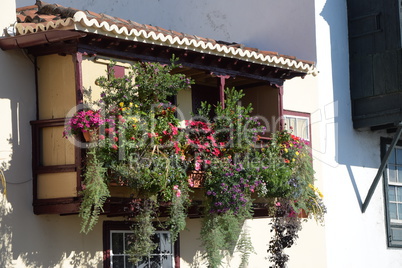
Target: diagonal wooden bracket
[382,167]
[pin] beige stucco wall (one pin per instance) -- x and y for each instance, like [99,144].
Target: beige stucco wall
[301,95]
[308,250]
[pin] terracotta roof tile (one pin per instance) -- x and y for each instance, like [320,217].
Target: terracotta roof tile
[93,14]
[26,8]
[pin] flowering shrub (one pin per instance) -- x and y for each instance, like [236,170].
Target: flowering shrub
[143,147]
[83,121]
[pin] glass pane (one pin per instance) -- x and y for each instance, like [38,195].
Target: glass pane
[143,263]
[399,194]
[301,128]
[391,193]
[398,155]
[167,261]
[391,159]
[396,234]
[129,264]
[392,211]
[117,243]
[399,211]
[118,261]
[166,245]
[156,262]
[391,173]
[128,239]
[156,240]
[291,123]
[399,175]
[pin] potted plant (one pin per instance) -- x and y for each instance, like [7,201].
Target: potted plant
[143,148]
[84,122]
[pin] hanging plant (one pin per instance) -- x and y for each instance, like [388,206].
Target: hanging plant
[143,148]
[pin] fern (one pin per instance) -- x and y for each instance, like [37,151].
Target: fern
[94,194]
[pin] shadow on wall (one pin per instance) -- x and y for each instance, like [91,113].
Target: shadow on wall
[26,239]
[353,148]
[5,233]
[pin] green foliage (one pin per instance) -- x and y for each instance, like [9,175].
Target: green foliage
[219,234]
[178,213]
[228,183]
[245,247]
[138,147]
[95,192]
[141,146]
[141,244]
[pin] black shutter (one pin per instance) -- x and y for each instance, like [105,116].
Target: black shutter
[375,61]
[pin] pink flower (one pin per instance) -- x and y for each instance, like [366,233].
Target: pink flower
[278,204]
[178,193]
[115,138]
[114,146]
[197,166]
[101,137]
[177,190]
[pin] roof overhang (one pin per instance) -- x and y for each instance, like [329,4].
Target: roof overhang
[39,38]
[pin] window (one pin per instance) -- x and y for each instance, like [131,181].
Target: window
[117,241]
[298,123]
[119,71]
[393,194]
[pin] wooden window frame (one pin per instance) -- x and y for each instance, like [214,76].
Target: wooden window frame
[388,222]
[289,113]
[109,226]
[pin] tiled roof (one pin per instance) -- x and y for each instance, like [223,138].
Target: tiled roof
[45,17]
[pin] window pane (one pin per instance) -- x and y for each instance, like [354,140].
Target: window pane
[128,239]
[167,261]
[118,261]
[391,173]
[117,243]
[399,211]
[156,262]
[399,194]
[391,158]
[291,123]
[128,263]
[302,128]
[399,174]
[396,234]
[392,211]
[143,263]
[166,245]
[398,156]
[156,240]
[391,193]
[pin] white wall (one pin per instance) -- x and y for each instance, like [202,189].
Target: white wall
[284,26]
[28,240]
[346,160]
[350,158]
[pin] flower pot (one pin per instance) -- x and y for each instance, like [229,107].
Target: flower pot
[196,179]
[302,214]
[89,135]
